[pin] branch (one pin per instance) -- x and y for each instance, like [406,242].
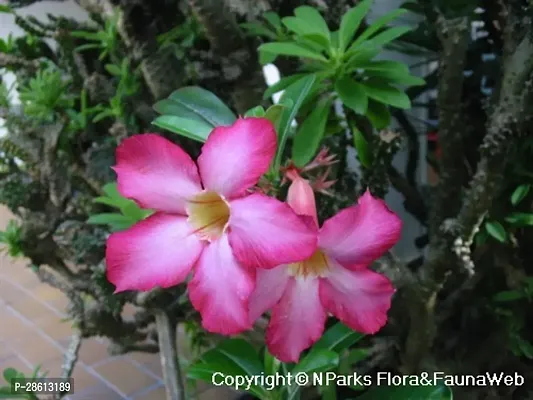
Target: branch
[454,36]
[8,60]
[172,376]
[240,66]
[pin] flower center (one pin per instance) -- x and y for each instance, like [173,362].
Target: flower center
[316,265]
[208,214]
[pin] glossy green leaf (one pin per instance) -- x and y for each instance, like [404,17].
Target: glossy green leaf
[196,103]
[258,30]
[387,94]
[363,150]
[496,230]
[520,193]
[520,219]
[306,33]
[10,373]
[271,363]
[310,133]
[378,114]
[281,85]
[338,338]
[352,94]
[4,8]
[255,112]
[376,26]
[509,295]
[274,113]
[387,36]
[233,357]
[113,69]
[397,78]
[361,55]
[315,20]
[193,129]
[273,19]
[296,93]
[351,21]
[317,360]
[439,392]
[291,50]
[109,219]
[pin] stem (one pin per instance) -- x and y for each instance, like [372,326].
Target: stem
[166,330]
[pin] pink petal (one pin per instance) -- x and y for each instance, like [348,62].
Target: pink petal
[235,157]
[297,321]
[157,251]
[220,289]
[302,199]
[156,173]
[269,287]
[362,233]
[360,299]
[265,233]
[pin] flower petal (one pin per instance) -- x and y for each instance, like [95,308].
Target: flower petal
[360,234]
[269,287]
[156,173]
[234,157]
[157,251]
[297,321]
[265,233]
[302,199]
[360,299]
[220,289]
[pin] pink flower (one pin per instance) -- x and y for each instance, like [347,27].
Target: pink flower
[335,279]
[205,220]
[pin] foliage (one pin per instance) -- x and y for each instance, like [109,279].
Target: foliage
[11,239]
[44,96]
[105,40]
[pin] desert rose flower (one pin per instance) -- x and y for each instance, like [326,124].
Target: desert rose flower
[335,279]
[205,220]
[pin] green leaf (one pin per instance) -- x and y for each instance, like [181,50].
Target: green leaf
[363,150]
[273,19]
[520,193]
[271,363]
[378,114]
[193,102]
[86,35]
[113,69]
[258,30]
[255,112]
[197,130]
[234,357]
[4,8]
[317,360]
[290,49]
[496,230]
[520,219]
[274,113]
[281,84]
[439,392]
[310,133]
[352,94]
[509,295]
[109,219]
[376,26]
[361,55]
[387,94]
[306,33]
[397,78]
[84,47]
[389,35]
[317,23]
[296,94]
[338,338]
[10,373]
[107,201]
[351,21]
